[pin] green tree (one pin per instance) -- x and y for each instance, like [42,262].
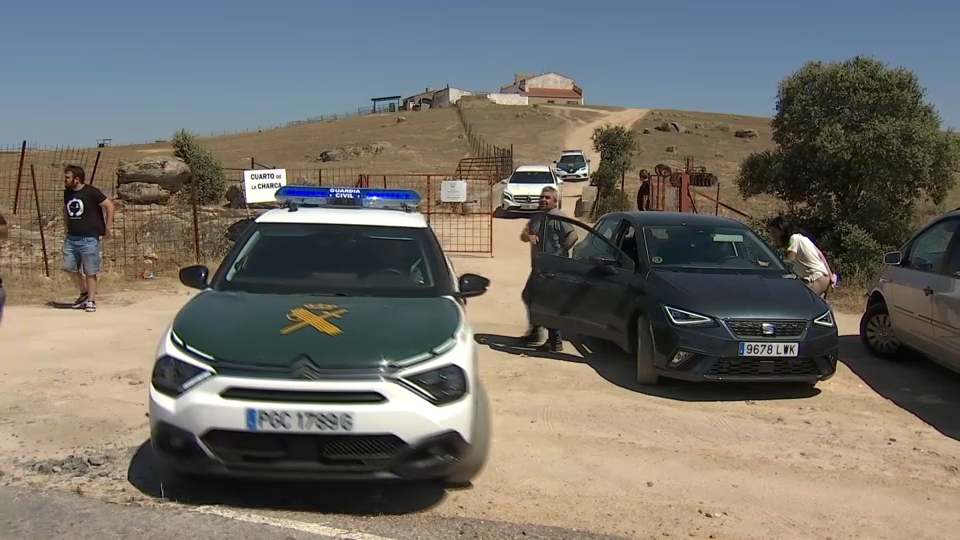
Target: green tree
[857,149]
[616,146]
[207,169]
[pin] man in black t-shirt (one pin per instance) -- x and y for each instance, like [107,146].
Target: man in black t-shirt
[643,192]
[87,217]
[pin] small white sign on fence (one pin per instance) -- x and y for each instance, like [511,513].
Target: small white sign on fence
[260,185]
[453,191]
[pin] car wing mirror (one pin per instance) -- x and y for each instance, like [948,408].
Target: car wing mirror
[892,258]
[471,285]
[195,277]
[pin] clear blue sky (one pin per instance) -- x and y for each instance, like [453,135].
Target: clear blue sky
[78,71]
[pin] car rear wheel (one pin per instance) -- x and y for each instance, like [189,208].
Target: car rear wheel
[646,371]
[876,332]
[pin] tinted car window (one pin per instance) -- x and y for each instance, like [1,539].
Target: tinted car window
[572,159]
[953,264]
[293,258]
[718,247]
[591,245]
[532,177]
[927,250]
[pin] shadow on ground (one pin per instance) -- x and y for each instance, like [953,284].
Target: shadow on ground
[617,367]
[500,213]
[147,474]
[914,383]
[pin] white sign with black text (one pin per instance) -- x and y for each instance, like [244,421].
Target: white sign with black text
[453,191]
[260,185]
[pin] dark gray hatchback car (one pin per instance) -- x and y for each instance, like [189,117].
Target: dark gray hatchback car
[690,296]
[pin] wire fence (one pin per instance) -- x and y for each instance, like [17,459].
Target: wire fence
[481,149]
[156,228]
[159,227]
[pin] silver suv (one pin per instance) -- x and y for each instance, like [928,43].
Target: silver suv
[914,301]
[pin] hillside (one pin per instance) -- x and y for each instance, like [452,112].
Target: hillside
[711,143]
[536,132]
[424,141]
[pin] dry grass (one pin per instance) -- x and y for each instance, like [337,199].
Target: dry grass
[37,290]
[711,143]
[425,141]
[536,133]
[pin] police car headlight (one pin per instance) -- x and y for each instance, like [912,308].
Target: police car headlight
[443,385]
[172,377]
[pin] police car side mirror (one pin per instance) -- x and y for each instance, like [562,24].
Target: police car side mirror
[472,285]
[195,276]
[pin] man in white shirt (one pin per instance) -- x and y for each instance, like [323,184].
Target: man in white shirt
[810,265]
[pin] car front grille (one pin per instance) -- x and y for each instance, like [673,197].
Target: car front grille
[355,453]
[763,367]
[754,328]
[525,199]
[303,396]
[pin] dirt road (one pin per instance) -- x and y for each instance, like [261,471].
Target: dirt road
[871,454]
[580,137]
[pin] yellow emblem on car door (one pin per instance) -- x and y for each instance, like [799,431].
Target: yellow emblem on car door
[315,316]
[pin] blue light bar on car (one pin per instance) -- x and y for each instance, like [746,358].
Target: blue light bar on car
[347,196]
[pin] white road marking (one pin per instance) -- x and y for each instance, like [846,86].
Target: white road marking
[302,526]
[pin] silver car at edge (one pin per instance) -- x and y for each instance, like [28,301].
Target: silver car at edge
[914,300]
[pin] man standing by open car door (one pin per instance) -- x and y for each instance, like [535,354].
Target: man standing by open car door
[559,237]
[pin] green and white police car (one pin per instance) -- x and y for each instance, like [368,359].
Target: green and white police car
[331,344]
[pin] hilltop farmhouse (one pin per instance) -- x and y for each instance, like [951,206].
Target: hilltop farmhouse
[526,89]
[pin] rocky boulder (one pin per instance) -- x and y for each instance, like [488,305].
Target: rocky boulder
[142,193]
[343,153]
[169,173]
[746,134]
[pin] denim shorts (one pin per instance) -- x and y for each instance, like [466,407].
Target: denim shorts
[81,251]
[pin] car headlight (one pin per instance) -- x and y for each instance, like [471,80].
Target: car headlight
[442,385]
[172,377]
[825,320]
[682,317]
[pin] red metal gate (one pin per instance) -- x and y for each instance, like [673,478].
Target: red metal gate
[465,227]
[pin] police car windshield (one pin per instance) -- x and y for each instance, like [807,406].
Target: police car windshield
[572,159]
[323,259]
[690,248]
[531,177]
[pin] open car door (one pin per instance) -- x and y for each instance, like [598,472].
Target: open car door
[578,277]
